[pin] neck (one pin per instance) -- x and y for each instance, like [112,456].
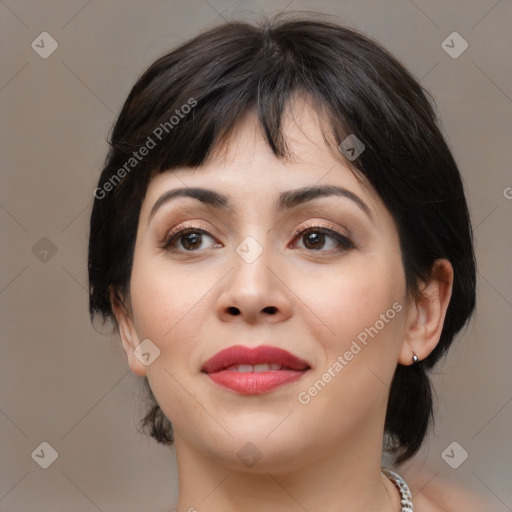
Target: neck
[319,479]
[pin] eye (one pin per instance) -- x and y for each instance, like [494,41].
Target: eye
[315,238]
[190,238]
[321,238]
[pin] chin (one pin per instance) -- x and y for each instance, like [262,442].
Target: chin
[256,450]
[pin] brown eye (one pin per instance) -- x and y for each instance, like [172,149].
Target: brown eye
[319,238]
[313,240]
[191,241]
[187,240]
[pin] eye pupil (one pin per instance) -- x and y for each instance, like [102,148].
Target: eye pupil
[194,238]
[317,240]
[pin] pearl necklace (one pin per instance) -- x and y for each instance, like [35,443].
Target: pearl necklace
[403,489]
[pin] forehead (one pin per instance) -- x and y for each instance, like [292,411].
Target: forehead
[244,162]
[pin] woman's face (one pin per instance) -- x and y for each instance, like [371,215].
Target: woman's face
[242,276]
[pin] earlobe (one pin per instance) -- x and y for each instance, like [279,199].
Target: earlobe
[427,314]
[127,332]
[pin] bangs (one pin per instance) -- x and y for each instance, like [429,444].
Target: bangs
[183,120]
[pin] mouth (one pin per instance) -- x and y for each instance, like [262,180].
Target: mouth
[256,370]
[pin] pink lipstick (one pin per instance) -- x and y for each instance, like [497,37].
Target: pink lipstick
[255,370]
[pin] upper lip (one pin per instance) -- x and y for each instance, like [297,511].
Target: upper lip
[239,354]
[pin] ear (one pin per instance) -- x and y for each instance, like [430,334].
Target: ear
[127,331]
[426,315]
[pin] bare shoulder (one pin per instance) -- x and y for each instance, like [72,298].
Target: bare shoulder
[433,493]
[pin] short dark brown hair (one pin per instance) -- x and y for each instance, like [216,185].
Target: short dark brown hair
[360,89]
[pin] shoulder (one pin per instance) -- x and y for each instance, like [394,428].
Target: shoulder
[435,493]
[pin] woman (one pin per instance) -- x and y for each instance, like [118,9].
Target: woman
[281,237]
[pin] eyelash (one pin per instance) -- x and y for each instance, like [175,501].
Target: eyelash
[343,241]
[176,233]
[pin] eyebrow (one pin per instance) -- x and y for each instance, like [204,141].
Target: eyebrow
[286,200]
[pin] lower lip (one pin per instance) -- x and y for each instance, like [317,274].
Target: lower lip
[255,383]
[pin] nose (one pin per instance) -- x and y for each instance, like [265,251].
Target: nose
[255,291]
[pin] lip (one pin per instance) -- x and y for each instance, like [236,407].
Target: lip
[253,383]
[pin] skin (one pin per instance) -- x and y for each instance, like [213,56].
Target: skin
[321,456]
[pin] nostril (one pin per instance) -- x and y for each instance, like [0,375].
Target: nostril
[233,311]
[270,309]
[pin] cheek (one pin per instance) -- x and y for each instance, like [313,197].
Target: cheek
[361,311]
[356,301]
[169,309]
[167,304]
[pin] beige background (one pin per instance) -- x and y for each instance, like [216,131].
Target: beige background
[66,384]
